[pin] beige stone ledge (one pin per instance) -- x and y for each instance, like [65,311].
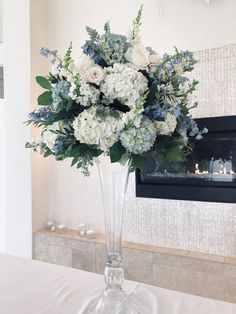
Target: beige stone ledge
[100,239]
[196,273]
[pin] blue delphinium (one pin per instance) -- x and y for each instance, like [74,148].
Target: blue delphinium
[177,112]
[41,115]
[109,48]
[48,53]
[187,53]
[60,145]
[181,79]
[192,126]
[156,112]
[92,50]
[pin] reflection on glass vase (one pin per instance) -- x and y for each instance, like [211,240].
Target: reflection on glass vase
[113,179]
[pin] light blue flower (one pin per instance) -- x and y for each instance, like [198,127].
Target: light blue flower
[47,52]
[139,140]
[41,115]
[177,112]
[60,92]
[156,112]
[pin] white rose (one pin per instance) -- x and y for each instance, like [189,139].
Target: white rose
[155,59]
[138,56]
[168,126]
[84,63]
[95,75]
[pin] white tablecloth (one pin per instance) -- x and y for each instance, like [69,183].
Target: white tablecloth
[32,287]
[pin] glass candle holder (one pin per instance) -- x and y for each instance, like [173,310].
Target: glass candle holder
[90,231]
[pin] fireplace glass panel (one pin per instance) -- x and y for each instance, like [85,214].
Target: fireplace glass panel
[213,162]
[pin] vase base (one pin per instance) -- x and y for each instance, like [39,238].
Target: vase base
[115,301]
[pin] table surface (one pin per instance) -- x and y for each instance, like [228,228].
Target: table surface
[33,287]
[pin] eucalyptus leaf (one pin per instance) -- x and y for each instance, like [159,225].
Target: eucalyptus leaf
[43,82]
[45,99]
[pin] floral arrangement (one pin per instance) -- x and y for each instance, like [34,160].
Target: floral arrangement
[119,98]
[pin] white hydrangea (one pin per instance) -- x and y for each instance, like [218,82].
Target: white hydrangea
[125,83]
[49,136]
[139,139]
[168,126]
[89,95]
[90,128]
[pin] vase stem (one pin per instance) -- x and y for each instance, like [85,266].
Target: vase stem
[113,179]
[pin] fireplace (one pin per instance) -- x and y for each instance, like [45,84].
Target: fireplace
[208,174]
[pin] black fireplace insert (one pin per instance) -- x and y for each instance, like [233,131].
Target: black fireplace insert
[208,174]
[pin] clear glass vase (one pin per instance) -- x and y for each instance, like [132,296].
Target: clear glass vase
[113,180]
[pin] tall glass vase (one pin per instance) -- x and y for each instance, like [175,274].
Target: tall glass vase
[113,181]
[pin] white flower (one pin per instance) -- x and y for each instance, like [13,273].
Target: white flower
[138,56]
[89,95]
[155,59]
[49,136]
[84,63]
[140,138]
[94,75]
[90,128]
[199,137]
[179,69]
[124,83]
[168,126]
[184,87]
[133,35]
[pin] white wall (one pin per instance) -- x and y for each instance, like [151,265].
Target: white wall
[188,24]
[2,179]
[2,159]
[16,27]
[39,66]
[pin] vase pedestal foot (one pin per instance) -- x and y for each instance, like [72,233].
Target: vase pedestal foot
[113,301]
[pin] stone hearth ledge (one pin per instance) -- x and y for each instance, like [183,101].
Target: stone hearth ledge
[196,273]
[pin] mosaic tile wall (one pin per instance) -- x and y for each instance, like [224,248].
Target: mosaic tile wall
[194,226]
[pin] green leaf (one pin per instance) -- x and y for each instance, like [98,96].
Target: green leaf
[93,34]
[137,161]
[69,104]
[79,165]
[74,161]
[43,82]
[67,58]
[47,153]
[175,155]
[107,28]
[116,152]
[45,99]
[74,152]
